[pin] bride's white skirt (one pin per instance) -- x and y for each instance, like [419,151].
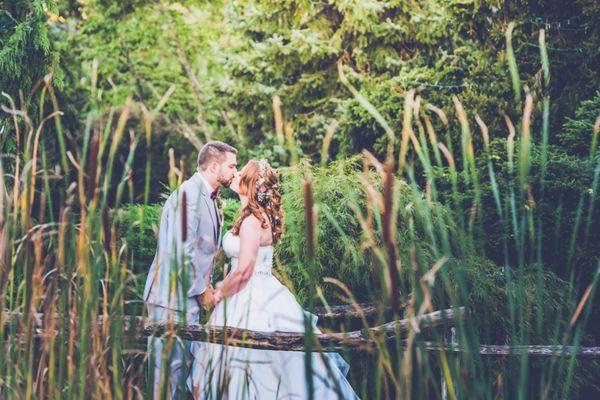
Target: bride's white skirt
[264,304]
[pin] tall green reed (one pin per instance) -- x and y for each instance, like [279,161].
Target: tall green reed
[421,241]
[515,206]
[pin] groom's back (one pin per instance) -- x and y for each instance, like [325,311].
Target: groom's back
[179,264]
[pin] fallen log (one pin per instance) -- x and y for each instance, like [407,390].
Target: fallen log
[366,310]
[364,339]
[136,323]
[592,353]
[294,341]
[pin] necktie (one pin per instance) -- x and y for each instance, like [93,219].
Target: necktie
[213,196]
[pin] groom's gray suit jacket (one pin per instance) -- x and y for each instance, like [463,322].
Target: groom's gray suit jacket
[182,270]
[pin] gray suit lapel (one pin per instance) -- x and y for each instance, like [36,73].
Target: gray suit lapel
[204,193]
[211,211]
[210,206]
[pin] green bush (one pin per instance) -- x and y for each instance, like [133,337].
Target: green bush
[340,254]
[576,136]
[338,250]
[137,227]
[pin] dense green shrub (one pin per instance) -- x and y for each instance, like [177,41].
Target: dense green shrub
[340,254]
[576,135]
[338,250]
[137,227]
[27,51]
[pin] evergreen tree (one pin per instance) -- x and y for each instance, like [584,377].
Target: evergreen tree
[26,51]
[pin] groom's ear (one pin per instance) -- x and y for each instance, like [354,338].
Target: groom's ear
[213,166]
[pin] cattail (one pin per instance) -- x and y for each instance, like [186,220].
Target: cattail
[278,117]
[327,141]
[484,132]
[291,142]
[466,143]
[440,113]
[432,138]
[448,156]
[416,107]
[106,228]
[174,172]
[595,138]
[369,160]
[388,225]
[473,211]
[582,302]
[181,170]
[524,151]
[406,128]
[499,387]
[3,251]
[65,216]
[3,193]
[510,142]
[373,195]
[184,217]
[93,166]
[309,216]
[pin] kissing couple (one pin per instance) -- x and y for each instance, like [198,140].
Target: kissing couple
[179,288]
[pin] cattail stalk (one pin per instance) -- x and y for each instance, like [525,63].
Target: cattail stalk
[310,217]
[106,229]
[432,138]
[510,142]
[406,128]
[545,105]
[524,151]
[278,119]
[594,145]
[389,238]
[327,141]
[184,219]
[291,143]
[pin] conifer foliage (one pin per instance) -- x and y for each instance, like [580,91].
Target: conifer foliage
[26,51]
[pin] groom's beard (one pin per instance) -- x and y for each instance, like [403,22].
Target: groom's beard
[225,182]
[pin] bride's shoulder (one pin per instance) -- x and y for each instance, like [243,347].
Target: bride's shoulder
[250,223]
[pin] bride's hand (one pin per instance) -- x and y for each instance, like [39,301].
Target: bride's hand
[217,295]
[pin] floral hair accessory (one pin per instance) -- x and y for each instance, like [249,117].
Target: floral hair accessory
[262,171]
[263,194]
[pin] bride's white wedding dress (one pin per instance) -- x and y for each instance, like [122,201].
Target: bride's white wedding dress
[264,304]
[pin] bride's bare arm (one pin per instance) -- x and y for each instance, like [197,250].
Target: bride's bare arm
[249,245]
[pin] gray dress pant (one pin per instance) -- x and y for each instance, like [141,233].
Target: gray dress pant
[169,358]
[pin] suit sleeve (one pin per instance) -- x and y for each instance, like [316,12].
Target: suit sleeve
[196,284]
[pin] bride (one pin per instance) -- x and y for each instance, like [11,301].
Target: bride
[250,297]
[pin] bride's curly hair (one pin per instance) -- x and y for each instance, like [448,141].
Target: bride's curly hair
[260,183]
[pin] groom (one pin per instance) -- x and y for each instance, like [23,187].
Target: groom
[179,281]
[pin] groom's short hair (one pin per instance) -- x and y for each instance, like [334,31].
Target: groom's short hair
[213,150]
